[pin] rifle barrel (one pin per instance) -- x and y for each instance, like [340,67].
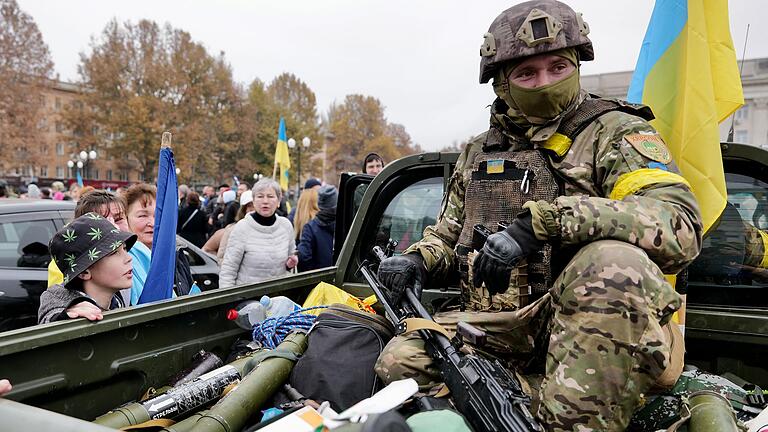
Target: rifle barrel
[374,283]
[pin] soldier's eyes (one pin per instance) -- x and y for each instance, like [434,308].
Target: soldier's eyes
[523,75]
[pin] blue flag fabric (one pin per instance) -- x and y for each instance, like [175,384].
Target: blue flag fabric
[79,179]
[159,284]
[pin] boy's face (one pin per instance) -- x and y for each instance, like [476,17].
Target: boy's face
[113,272]
[141,220]
[116,215]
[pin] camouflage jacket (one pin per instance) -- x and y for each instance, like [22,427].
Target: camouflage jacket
[612,188]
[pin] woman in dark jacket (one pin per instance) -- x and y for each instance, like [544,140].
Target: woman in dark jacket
[192,223]
[316,244]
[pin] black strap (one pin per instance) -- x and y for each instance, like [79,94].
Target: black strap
[589,110]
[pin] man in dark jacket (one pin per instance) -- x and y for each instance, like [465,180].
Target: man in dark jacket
[316,244]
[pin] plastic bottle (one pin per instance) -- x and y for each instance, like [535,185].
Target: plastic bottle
[278,306]
[247,314]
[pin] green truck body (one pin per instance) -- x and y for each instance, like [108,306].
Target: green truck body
[73,370]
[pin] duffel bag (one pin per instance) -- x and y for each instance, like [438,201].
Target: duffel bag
[343,345]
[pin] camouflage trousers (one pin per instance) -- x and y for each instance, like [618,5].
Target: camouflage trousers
[600,325]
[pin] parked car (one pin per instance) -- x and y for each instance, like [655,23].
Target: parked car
[26,226]
[83,369]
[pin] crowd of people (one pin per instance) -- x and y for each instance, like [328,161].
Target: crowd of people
[101,260]
[254,232]
[56,191]
[271,238]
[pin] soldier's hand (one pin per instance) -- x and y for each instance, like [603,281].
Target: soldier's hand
[494,263]
[503,251]
[400,272]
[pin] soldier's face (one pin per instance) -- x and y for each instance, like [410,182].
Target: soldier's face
[540,70]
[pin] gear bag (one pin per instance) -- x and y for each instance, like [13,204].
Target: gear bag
[183,280]
[337,366]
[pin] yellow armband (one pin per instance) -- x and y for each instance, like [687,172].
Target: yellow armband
[631,182]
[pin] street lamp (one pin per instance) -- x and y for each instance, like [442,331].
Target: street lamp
[257,177]
[305,142]
[81,160]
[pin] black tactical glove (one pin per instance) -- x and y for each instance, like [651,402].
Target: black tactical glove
[400,272]
[501,253]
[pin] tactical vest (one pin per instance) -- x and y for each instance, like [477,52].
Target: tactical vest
[501,181]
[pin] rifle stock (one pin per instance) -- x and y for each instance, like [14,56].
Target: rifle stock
[489,397]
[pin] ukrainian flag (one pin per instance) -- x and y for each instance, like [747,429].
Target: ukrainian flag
[687,73]
[282,158]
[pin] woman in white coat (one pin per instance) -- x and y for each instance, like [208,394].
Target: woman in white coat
[261,246]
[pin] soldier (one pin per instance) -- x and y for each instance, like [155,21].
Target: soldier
[575,284]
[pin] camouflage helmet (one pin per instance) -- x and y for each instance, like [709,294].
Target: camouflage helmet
[530,28]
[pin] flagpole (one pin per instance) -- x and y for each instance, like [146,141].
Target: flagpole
[274,170]
[165,141]
[159,282]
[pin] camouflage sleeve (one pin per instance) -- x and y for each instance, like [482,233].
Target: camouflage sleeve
[437,245]
[754,253]
[644,202]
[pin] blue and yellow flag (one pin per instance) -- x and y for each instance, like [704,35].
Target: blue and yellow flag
[282,158]
[159,283]
[687,73]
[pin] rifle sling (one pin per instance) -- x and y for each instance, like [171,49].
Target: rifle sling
[415,324]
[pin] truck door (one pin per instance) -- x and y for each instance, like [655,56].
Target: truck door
[398,203]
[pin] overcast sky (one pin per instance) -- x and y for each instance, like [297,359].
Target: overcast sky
[419,57]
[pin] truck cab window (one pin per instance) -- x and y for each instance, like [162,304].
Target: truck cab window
[732,268]
[412,210]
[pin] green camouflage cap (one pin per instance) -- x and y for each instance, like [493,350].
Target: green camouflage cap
[530,28]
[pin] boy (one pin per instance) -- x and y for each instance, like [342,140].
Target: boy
[93,256]
[106,204]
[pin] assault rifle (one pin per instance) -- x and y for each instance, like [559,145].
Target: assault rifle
[488,396]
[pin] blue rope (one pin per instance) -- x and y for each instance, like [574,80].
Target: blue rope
[272,331]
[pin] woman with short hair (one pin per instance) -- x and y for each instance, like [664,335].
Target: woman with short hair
[262,244]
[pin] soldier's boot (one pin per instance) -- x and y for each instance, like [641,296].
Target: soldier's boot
[606,346]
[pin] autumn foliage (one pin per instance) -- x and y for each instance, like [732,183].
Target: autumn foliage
[139,79]
[25,67]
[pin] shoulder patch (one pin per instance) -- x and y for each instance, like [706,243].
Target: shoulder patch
[650,146]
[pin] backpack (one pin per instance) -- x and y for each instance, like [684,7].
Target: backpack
[182,280]
[343,345]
